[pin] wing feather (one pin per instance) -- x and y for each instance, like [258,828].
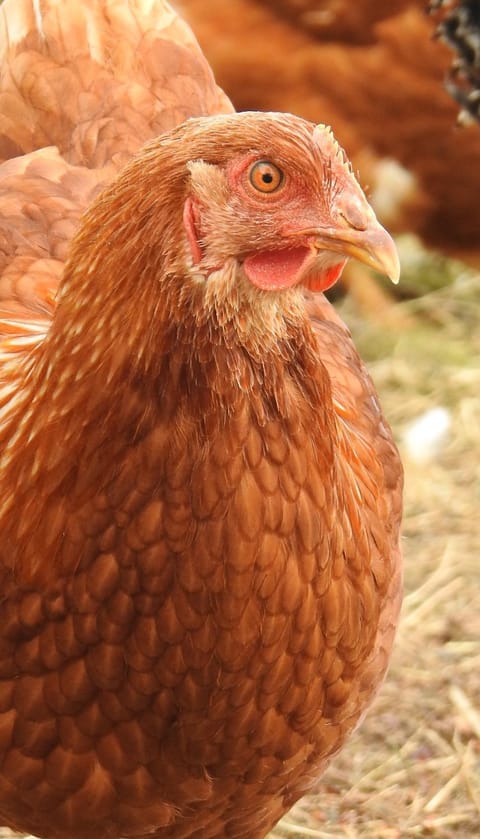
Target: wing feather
[83,86]
[41,200]
[97,78]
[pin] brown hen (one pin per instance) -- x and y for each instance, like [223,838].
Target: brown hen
[199,495]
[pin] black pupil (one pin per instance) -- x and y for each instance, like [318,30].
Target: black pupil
[267,177]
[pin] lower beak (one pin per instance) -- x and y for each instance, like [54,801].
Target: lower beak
[373,246]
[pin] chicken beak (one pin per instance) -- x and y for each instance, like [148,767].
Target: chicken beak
[375,248]
[360,235]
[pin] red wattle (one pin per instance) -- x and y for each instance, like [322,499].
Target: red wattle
[326,278]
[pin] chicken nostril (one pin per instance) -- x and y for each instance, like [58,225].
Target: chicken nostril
[353,213]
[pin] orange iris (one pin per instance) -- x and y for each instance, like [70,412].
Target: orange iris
[265,177]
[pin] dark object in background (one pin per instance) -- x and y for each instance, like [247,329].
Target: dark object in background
[459,27]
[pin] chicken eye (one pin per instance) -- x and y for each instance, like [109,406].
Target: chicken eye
[265,176]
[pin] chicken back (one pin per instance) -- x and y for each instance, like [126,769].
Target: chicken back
[199,495]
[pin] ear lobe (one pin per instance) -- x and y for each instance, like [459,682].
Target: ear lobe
[276,269]
[189,223]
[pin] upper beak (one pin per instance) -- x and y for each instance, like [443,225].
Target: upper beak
[356,232]
[371,245]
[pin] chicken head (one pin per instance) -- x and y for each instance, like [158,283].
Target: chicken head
[290,211]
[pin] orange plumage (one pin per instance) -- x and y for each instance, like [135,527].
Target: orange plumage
[199,495]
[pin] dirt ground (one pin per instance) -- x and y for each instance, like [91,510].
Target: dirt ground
[413,769]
